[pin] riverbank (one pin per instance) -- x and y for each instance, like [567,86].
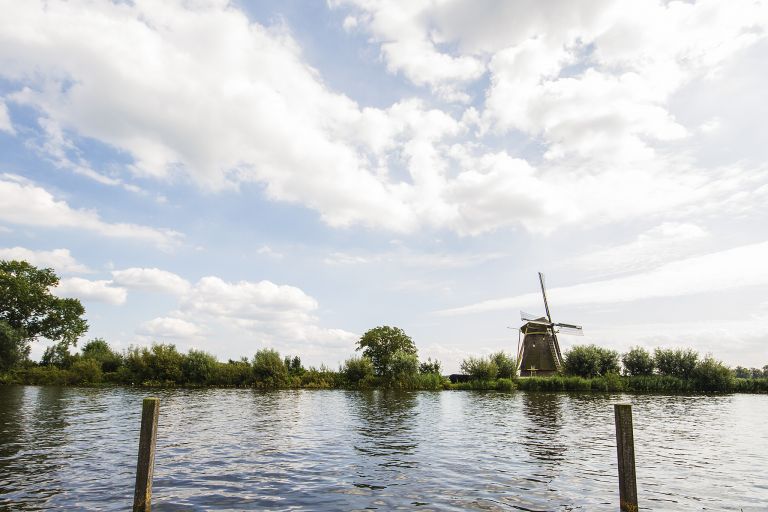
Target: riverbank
[328,379]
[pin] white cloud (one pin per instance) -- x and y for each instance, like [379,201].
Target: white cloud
[249,303]
[724,270]
[152,279]
[408,46]
[410,258]
[665,242]
[249,315]
[59,259]
[586,83]
[5,119]
[168,327]
[98,291]
[24,203]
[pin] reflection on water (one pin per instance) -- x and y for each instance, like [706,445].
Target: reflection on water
[542,438]
[72,448]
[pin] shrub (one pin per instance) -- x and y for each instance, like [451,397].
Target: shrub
[269,369]
[86,371]
[506,365]
[676,363]
[637,361]
[590,361]
[480,368]
[235,373]
[323,377]
[357,370]
[712,375]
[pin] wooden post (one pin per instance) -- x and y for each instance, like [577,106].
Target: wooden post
[625,448]
[142,496]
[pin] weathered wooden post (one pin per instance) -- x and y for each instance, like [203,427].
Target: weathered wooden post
[625,448]
[142,496]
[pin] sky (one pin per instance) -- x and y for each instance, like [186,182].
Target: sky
[230,176]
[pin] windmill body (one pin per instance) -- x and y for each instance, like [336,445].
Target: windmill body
[539,351]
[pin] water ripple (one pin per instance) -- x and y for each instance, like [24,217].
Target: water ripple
[342,450]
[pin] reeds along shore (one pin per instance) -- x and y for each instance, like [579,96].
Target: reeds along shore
[587,368]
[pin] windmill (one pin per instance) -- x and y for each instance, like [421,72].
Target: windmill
[539,351]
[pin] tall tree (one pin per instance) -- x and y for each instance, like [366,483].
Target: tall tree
[380,344]
[29,311]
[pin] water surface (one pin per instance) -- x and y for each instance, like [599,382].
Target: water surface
[75,448]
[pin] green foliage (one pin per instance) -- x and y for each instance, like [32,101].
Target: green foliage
[712,375]
[235,373]
[506,365]
[293,365]
[31,311]
[58,355]
[86,371]
[638,361]
[751,373]
[381,343]
[269,369]
[430,366]
[199,367]
[323,377]
[99,350]
[358,371]
[676,362]
[591,361]
[403,366]
[13,348]
[480,368]
[159,364]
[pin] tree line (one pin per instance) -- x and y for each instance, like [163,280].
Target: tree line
[387,357]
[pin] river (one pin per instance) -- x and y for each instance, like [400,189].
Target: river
[75,449]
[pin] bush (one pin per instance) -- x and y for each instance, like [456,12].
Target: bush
[235,373]
[199,367]
[86,371]
[357,370]
[506,365]
[99,350]
[676,363]
[269,369]
[637,361]
[712,375]
[591,361]
[323,377]
[480,368]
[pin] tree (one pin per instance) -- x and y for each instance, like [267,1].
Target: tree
[31,311]
[637,361]
[100,351]
[506,364]
[676,363]
[199,367]
[430,366]
[380,344]
[269,369]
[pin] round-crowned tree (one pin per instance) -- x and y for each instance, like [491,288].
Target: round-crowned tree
[380,345]
[29,311]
